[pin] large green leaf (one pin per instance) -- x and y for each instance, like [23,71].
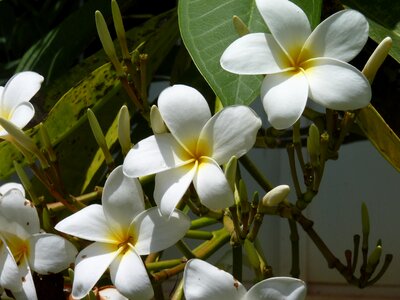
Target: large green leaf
[207,30]
[384,20]
[380,135]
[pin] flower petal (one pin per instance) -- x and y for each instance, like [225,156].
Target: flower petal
[154,154]
[111,293]
[20,88]
[171,185]
[337,85]
[341,36]
[91,263]
[232,131]
[11,185]
[278,288]
[122,200]
[130,276]
[15,208]
[155,232]
[287,23]
[89,223]
[254,53]
[284,97]
[211,185]
[184,111]
[28,290]
[9,273]
[50,253]
[22,114]
[204,281]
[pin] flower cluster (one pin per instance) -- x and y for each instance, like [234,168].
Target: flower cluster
[188,154]
[24,247]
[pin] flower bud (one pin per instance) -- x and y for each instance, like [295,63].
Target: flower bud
[156,121]
[119,29]
[377,58]
[124,131]
[230,172]
[99,136]
[239,25]
[276,195]
[107,42]
[313,145]
[374,258]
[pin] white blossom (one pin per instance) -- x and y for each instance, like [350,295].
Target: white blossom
[301,64]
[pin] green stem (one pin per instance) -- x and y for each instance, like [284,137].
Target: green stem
[293,172]
[203,222]
[294,240]
[257,175]
[185,250]
[237,261]
[205,250]
[178,294]
[199,234]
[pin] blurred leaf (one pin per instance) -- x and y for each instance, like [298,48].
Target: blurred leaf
[384,20]
[207,30]
[380,135]
[60,48]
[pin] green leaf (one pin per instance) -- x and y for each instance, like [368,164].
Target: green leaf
[207,30]
[380,135]
[384,20]
[61,47]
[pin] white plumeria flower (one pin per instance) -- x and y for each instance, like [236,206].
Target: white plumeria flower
[194,149]
[14,99]
[122,231]
[301,64]
[203,281]
[23,247]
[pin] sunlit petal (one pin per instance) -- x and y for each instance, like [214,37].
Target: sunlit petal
[184,111]
[28,291]
[11,185]
[91,263]
[171,185]
[89,223]
[341,36]
[156,232]
[154,154]
[9,273]
[15,208]
[122,200]
[130,276]
[50,253]
[278,288]
[337,85]
[20,88]
[284,98]
[287,23]
[22,114]
[111,293]
[254,53]
[203,281]
[231,132]
[211,185]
